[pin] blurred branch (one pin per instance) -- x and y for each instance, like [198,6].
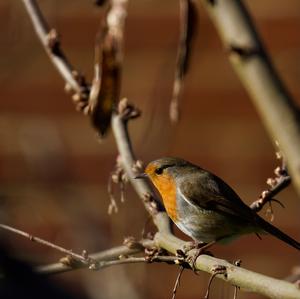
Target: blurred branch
[134,260]
[99,99]
[277,184]
[112,254]
[49,39]
[105,90]
[249,59]
[188,23]
[268,195]
[294,277]
[128,160]
[84,258]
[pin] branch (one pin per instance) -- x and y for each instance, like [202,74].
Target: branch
[249,59]
[188,22]
[268,195]
[84,258]
[99,257]
[277,184]
[237,276]
[105,90]
[134,260]
[49,40]
[99,99]
[142,187]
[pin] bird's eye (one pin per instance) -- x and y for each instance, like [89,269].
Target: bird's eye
[159,171]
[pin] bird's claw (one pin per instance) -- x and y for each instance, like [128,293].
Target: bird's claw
[192,251]
[188,246]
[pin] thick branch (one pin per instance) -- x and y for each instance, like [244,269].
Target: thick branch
[252,64]
[237,276]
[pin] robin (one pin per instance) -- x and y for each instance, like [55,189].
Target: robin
[203,206]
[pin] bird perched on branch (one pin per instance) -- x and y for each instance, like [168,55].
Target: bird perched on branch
[203,206]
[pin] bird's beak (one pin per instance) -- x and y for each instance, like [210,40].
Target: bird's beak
[141,176]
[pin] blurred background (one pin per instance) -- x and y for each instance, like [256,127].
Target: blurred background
[54,171]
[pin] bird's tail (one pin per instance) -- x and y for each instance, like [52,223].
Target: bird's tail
[271,229]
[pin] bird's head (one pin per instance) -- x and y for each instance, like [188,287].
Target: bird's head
[164,169]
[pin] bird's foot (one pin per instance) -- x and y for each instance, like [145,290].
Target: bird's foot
[188,246]
[192,250]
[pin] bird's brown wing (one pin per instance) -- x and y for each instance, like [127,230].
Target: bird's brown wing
[209,192]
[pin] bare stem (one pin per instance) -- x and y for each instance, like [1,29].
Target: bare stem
[277,184]
[177,282]
[269,194]
[51,45]
[142,187]
[107,255]
[78,257]
[133,260]
[188,22]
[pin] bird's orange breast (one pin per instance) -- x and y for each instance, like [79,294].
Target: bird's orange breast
[167,189]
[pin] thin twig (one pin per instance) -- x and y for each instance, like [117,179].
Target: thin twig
[78,257]
[49,40]
[277,184]
[98,257]
[117,177]
[236,288]
[133,260]
[177,282]
[235,294]
[219,269]
[188,22]
[116,260]
[269,194]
